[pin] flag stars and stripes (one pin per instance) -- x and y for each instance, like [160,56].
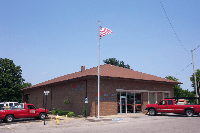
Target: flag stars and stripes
[105,31]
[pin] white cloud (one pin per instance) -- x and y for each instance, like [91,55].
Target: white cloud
[44,73]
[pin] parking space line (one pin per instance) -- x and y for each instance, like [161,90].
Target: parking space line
[11,129]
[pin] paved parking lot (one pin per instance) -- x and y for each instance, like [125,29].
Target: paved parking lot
[137,123]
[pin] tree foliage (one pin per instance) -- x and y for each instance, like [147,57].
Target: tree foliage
[11,81]
[197,81]
[178,91]
[25,85]
[114,61]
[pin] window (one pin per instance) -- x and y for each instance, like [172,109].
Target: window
[166,95]
[163,102]
[170,102]
[30,107]
[152,99]
[1,105]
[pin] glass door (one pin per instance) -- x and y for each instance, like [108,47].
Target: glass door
[123,104]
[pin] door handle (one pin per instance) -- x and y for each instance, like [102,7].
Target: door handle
[165,106]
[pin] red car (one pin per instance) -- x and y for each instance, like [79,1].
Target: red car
[170,105]
[29,111]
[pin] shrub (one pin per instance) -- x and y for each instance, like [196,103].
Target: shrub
[70,114]
[53,112]
[85,111]
[67,101]
[60,112]
[65,112]
[76,116]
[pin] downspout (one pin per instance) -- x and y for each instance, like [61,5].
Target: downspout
[86,96]
[86,88]
[43,99]
[51,98]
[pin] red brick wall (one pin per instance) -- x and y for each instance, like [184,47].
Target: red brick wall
[108,103]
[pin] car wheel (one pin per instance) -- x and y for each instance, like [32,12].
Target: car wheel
[42,116]
[9,118]
[152,112]
[189,113]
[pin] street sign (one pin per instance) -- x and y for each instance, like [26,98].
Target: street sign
[46,92]
[86,99]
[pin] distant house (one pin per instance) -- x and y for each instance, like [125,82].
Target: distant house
[120,90]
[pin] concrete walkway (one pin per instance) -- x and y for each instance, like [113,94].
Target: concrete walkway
[113,117]
[101,118]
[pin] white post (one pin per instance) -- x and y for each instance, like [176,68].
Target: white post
[195,77]
[98,69]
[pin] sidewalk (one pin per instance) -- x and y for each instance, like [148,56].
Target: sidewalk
[101,118]
[113,117]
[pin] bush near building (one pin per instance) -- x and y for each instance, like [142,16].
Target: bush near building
[61,112]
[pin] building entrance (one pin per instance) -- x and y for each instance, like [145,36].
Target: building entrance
[129,102]
[123,104]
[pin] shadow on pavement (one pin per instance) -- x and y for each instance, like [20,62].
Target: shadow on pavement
[175,115]
[22,120]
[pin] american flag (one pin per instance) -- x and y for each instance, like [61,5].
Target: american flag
[104,31]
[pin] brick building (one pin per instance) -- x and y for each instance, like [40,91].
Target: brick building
[120,90]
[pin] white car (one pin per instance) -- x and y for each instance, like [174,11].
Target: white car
[11,105]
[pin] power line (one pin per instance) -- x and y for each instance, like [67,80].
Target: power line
[196,48]
[185,68]
[190,63]
[172,27]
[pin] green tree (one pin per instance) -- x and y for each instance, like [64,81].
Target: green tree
[11,81]
[114,61]
[25,85]
[178,91]
[197,81]
[177,88]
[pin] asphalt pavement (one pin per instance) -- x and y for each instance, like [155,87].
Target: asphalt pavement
[166,123]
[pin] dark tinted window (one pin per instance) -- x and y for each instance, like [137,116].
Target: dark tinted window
[30,107]
[164,102]
[170,102]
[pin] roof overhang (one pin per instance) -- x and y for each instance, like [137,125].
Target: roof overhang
[92,76]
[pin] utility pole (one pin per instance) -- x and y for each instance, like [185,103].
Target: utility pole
[195,78]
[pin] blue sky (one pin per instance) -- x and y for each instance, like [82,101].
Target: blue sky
[52,38]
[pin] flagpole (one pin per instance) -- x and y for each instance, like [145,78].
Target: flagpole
[98,68]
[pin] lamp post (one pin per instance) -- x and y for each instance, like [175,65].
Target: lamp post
[46,93]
